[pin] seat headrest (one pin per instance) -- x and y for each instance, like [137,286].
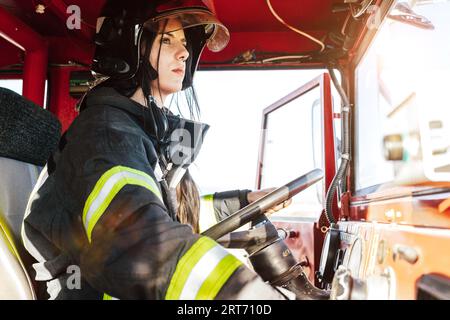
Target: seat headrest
[28,132]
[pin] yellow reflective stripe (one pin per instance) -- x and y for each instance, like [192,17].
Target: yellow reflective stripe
[218,277]
[207,216]
[107,297]
[185,266]
[202,271]
[208,198]
[107,187]
[9,239]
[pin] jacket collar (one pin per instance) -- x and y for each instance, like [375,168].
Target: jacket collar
[109,96]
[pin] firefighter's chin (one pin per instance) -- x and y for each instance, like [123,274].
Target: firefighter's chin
[174,85]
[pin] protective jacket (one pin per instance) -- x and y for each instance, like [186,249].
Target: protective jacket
[99,227]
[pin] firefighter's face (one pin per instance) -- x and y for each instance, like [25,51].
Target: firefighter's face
[171,48]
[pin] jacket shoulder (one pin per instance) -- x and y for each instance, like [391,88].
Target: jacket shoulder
[106,128]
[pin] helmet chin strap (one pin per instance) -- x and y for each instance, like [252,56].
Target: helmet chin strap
[174,176]
[152,99]
[153,73]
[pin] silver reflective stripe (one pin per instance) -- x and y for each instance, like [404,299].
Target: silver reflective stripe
[201,271]
[33,196]
[54,288]
[42,274]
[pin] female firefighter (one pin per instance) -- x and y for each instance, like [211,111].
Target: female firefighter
[115,205]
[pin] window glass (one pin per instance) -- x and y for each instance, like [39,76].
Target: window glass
[402,96]
[293,147]
[232,103]
[12,84]
[16,85]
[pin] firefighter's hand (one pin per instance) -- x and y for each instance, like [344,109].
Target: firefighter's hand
[255,195]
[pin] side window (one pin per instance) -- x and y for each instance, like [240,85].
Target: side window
[402,128]
[12,84]
[293,144]
[16,85]
[231,103]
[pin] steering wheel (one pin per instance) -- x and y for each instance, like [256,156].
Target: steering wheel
[257,208]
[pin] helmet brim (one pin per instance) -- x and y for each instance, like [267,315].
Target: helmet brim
[216,34]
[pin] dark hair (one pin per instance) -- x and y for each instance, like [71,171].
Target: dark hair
[188,198]
[188,210]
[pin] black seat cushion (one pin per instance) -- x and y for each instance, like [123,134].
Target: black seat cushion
[28,132]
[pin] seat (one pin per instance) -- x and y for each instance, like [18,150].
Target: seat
[18,179]
[28,135]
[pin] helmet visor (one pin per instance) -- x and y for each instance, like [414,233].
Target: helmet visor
[217,35]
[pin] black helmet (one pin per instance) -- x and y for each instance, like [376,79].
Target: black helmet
[120,27]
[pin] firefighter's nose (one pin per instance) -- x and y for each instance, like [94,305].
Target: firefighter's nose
[183,54]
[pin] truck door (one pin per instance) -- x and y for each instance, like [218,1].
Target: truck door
[297,135]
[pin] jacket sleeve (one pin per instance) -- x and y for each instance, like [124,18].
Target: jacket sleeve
[216,207]
[133,250]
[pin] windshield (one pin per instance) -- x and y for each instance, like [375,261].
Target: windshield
[402,124]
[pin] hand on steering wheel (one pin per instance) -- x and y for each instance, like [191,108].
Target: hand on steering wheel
[255,195]
[263,204]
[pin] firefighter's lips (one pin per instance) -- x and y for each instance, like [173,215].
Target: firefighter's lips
[179,72]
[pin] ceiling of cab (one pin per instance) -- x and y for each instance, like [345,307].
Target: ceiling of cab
[258,39]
